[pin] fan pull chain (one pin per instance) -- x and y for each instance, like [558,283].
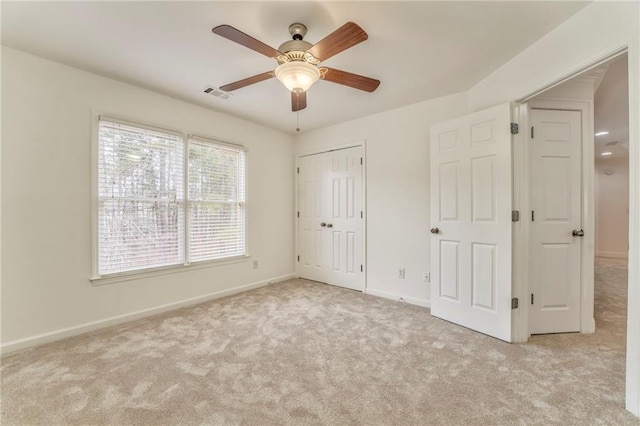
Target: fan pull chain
[297,121]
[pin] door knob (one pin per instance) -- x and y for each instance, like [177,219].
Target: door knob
[323,224]
[329,225]
[435,231]
[578,233]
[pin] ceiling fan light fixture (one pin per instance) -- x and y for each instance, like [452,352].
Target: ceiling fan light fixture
[297,76]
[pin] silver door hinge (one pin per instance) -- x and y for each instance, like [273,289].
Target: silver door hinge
[515,215]
[514,303]
[515,128]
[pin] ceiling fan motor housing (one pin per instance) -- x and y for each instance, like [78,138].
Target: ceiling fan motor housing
[294,50]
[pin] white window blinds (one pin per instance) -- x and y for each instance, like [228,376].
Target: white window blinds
[216,201]
[143,221]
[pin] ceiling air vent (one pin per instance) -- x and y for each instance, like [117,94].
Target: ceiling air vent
[612,143]
[214,91]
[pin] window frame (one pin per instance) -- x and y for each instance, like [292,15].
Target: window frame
[96,278]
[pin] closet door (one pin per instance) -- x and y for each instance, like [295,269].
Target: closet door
[330,223]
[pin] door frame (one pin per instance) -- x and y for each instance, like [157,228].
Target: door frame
[521,187]
[520,323]
[296,205]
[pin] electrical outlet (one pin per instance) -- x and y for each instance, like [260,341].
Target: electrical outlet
[255,264]
[427,277]
[401,273]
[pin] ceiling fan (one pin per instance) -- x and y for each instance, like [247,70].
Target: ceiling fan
[298,60]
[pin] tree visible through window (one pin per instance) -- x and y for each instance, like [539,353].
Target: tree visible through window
[143,220]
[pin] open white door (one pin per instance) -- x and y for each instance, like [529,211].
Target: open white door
[471,221]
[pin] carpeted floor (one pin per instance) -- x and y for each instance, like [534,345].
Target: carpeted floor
[304,353]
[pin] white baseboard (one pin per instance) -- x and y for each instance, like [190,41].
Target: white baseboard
[51,336]
[612,254]
[398,297]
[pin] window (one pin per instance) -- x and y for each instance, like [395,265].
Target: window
[150,215]
[216,205]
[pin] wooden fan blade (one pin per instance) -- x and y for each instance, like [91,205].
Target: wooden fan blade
[247,81]
[298,101]
[352,80]
[239,37]
[341,39]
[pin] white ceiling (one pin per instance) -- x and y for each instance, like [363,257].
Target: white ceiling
[419,50]
[611,110]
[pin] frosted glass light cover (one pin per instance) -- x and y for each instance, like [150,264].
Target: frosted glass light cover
[297,76]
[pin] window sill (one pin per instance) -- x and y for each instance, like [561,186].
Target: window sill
[165,270]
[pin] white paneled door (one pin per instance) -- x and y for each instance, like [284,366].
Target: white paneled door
[330,223]
[471,221]
[556,202]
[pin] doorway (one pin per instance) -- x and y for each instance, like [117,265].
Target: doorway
[563,246]
[331,217]
[521,264]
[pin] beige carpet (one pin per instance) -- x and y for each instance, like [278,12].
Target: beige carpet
[305,353]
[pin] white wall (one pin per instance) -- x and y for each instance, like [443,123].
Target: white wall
[46,198]
[612,207]
[591,34]
[611,112]
[570,90]
[397,186]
